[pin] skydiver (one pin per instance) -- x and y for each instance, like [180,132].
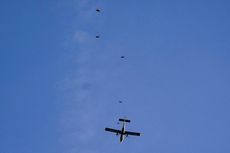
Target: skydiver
[98,10]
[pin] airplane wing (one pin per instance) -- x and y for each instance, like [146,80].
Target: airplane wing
[112,130]
[132,133]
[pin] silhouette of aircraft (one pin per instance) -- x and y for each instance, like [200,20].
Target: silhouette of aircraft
[123,132]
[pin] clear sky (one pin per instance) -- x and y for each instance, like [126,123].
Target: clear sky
[60,86]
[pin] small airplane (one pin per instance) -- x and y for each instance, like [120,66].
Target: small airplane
[123,132]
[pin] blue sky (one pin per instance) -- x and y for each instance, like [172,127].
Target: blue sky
[60,86]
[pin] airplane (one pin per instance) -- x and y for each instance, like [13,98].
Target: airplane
[123,132]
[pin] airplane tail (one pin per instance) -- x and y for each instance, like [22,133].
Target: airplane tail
[124,120]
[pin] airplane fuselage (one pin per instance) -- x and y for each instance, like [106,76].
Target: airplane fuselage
[122,136]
